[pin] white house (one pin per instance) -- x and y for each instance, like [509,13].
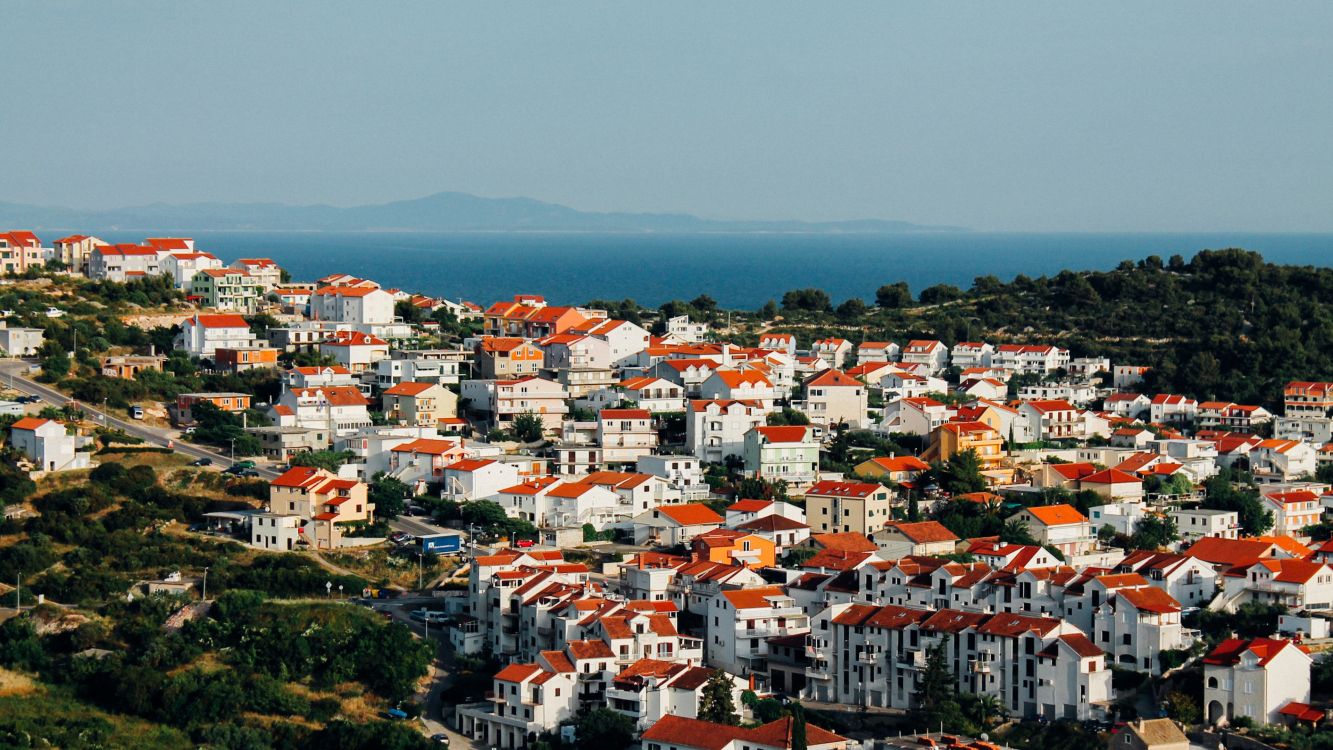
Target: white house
[834,350]
[789,453]
[833,397]
[358,305]
[355,350]
[1168,407]
[47,445]
[182,266]
[1254,678]
[934,355]
[1060,526]
[738,385]
[716,429]
[1278,460]
[626,435]
[202,335]
[971,354]
[877,351]
[739,624]
[476,479]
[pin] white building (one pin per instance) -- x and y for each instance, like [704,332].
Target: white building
[357,305]
[717,429]
[1254,679]
[787,453]
[739,624]
[47,445]
[202,335]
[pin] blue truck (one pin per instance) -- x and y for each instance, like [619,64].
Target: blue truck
[441,544]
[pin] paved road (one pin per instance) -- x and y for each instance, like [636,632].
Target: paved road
[14,370]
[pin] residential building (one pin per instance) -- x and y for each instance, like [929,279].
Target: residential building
[847,507]
[356,351]
[1047,420]
[967,354]
[503,400]
[779,342]
[1224,415]
[1031,359]
[952,438]
[896,469]
[1060,526]
[337,409]
[740,622]
[1278,460]
[669,525]
[934,355]
[1167,408]
[323,500]
[506,358]
[684,474]
[421,404]
[833,397]
[1195,523]
[47,444]
[625,435]
[123,263]
[20,251]
[264,270]
[20,342]
[73,251]
[128,366]
[181,268]
[226,401]
[358,306]
[201,335]
[717,429]
[922,538]
[738,385]
[787,453]
[871,352]
[676,732]
[227,289]
[1254,679]
[1293,510]
[240,359]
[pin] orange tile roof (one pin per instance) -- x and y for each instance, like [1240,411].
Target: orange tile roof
[755,598]
[517,672]
[925,532]
[690,514]
[30,423]
[784,433]
[845,541]
[1060,514]
[409,388]
[1151,599]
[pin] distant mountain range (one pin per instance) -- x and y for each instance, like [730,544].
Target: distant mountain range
[441,212]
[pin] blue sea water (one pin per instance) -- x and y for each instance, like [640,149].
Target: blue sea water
[740,271]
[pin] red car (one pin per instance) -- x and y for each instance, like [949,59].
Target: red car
[523,543]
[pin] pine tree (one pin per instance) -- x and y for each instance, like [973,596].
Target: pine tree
[715,703]
[797,727]
[937,685]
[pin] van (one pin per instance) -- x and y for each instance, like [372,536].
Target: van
[136,412]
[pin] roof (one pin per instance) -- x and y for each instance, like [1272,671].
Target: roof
[900,463]
[1229,652]
[30,423]
[749,506]
[690,514]
[1111,476]
[1081,645]
[409,388]
[1155,732]
[428,446]
[830,488]
[1060,514]
[1233,552]
[784,433]
[845,541]
[755,598]
[517,672]
[594,649]
[772,522]
[1151,599]
[219,321]
[1300,712]
[834,379]
[924,532]
[625,414]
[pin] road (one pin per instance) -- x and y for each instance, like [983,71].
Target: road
[15,369]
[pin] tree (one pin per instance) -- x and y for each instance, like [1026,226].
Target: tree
[603,729]
[798,738]
[528,427]
[962,474]
[852,310]
[388,495]
[326,460]
[893,296]
[940,293]
[1154,532]
[704,303]
[769,311]
[55,361]
[1181,707]
[813,300]
[715,702]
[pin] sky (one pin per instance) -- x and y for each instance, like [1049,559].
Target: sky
[1012,116]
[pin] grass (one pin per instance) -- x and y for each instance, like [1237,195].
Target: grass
[48,716]
[376,564]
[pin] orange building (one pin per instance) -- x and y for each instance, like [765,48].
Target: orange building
[246,358]
[734,548]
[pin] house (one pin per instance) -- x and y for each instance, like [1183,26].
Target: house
[740,622]
[264,270]
[1149,734]
[476,479]
[359,306]
[789,453]
[227,289]
[128,366]
[738,385]
[1047,420]
[202,335]
[1167,408]
[966,354]
[674,732]
[323,500]
[527,700]
[934,355]
[1030,359]
[625,339]
[1060,526]
[20,342]
[47,444]
[670,525]
[1297,584]
[506,358]
[581,363]
[1130,405]
[780,342]
[717,429]
[922,538]
[684,474]
[1113,484]
[987,388]
[834,350]
[73,251]
[681,328]
[503,400]
[1195,523]
[238,359]
[1307,412]
[1254,678]
[421,404]
[181,268]
[649,690]
[314,377]
[625,435]
[871,352]
[913,415]
[122,263]
[1224,415]
[1292,510]
[847,507]
[1190,581]
[356,351]
[896,469]
[734,547]
[1277,460]
[833,397]
[181,413]
[657,395]
[337,409]
[952,438]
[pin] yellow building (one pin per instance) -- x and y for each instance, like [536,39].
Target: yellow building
[322,499]
[951,438]
[735,548]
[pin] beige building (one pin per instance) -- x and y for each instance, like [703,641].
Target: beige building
[419,404]
[322,500]
[834,397]
[842,507]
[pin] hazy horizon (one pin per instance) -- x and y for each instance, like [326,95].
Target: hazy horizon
[1022,117]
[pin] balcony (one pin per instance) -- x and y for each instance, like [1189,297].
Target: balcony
[818,672]
[913,660]
[979,666]
[868,658]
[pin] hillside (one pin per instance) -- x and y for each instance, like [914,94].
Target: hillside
[1225,324]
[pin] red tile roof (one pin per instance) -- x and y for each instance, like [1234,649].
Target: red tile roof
[829,488]
[690,514]
[1229,652]
[846,541]
[517,672]
[784,433]
[1060,514]
[925,532]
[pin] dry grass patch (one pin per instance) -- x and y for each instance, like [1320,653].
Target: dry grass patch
[16,684]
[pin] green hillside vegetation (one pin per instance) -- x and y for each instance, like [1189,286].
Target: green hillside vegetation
[1222,325]
[273,664]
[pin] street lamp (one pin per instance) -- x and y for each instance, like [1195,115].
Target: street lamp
[421,568]
[340,591]
[233,449]
[204,596]
[328,589]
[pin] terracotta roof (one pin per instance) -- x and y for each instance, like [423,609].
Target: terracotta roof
[690,514]
[1233,552]
[1301,712]
[30,423]
[829,488]
[594,649]
[834,379]
[219,321]
[772,522]
[833,559]
[924,532]
[1060,514]
[846,541]
[428,446]
[625,414]
[783,433]
[1151,599]
[409,388]
[755,598]
[517,672]
[1229,652]
[749,506]
[1111,476]
[900,463]
[1081,645]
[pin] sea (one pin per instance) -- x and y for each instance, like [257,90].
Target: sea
[739,271]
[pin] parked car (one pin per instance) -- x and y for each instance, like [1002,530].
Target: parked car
[523,543]
[440,739]
[205,461]
[400,537]
[246,464]
[395,714]
[136,412]
[247,473]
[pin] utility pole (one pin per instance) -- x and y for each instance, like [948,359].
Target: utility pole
[421,568]
[233,449]
[204,596]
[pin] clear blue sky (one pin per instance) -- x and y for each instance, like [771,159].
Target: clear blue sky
[1137,116]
